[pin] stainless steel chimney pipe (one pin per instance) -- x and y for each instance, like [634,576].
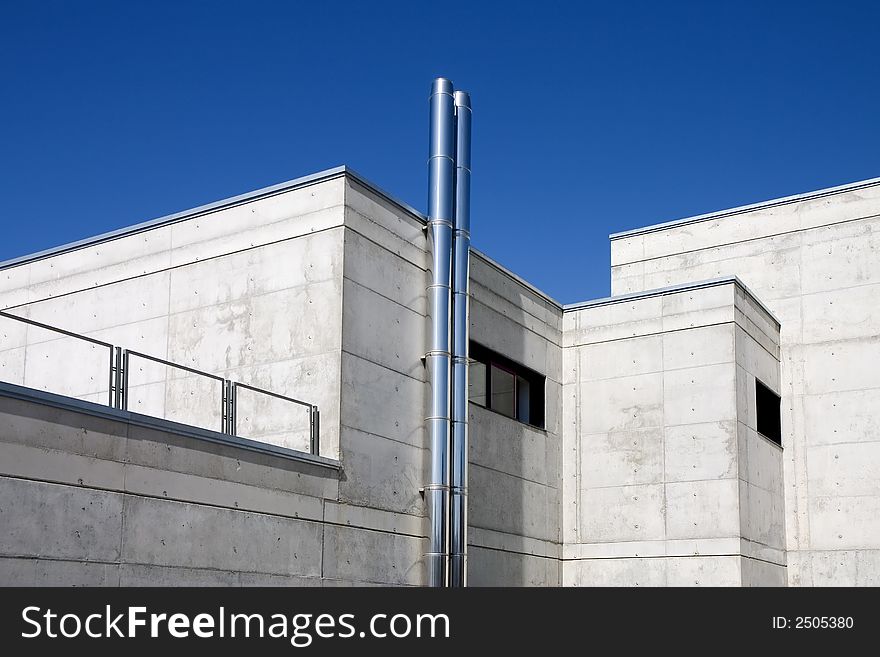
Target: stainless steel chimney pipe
[438,359]
[460,338]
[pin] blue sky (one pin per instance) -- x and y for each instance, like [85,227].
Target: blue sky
[589,118]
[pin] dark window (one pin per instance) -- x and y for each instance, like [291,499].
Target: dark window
[767,403]
[477,383]
[502,384]
[506,387]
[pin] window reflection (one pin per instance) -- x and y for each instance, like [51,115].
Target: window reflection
[503,391]
[477,383]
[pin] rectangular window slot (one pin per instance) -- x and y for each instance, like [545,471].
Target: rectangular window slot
[768,405]
[506,387]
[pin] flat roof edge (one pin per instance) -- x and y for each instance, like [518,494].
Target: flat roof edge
[272,190]
[672,289]
[361,180]
[742,209]
[519,279]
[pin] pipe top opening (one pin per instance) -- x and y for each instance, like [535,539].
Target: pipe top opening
[442,86]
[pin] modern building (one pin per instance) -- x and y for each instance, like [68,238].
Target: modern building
[716,421]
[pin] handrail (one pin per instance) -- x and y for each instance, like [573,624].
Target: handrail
[112,390]
[232,399]
[69,334]
[272,394]
[226,409]
[119,385]
[161,361]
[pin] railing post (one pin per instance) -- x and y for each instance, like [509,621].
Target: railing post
[114,362]
[228,408]
[124,378]
[315,426]
[224,407]
[232,403]
[119,379]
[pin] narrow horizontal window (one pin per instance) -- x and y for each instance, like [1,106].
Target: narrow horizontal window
[506,387]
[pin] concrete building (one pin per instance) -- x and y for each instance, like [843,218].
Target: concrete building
[715,422]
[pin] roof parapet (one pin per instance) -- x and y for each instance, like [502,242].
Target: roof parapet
[743,209]
[264,192]
[672,289]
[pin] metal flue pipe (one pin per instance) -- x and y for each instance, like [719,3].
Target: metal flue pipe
[438,359]
[460,338]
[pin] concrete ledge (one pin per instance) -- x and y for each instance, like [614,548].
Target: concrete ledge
[672,289]
[13,391]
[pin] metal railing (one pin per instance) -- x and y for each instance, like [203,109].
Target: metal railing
[111,350]
[121,390]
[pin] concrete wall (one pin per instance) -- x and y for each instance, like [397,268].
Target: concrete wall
[248,291]
[514,484]
[255,290]
[660,453]
[382,436]
[315,290]
[813,261]
[760,462]
[94,496]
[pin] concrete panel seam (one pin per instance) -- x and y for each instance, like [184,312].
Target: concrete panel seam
[241,199]
[372,362]
[372,188]
[772,563]
[176,500]
[521,426]
[754,542]
[170,268]
[760,343]
[504,270]
[170,498]
[323,533]
[506,551]
[354,230]
[667,557]
[745,241]
[659,483]
[153,565]
[665,501]
[523,327]
[386,297]
[677,330]
[515,476]
[488,291]
[674,289]
[343,425]
[744,209]
[774,444]
[385,229]
[485,535]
